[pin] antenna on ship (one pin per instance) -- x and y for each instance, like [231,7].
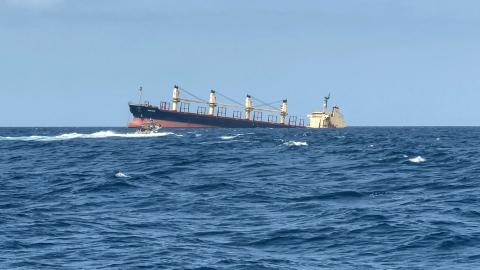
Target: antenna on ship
[325,105]
[141,94]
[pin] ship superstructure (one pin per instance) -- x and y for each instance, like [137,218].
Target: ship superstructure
[326,119]
[179,113]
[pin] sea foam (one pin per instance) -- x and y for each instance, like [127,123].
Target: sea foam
[121,175]
[229,137]
[417,159]
[295,143]
[95,135]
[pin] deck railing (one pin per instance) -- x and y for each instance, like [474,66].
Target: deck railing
[201,110]
[222,112]
[292,121]
[165,106]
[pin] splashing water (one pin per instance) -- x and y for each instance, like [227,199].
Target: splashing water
[121,175]
[229,137]
[95,135]
[295,143]
[417,159]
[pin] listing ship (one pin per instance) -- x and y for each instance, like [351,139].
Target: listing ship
[210,114]
[326,119]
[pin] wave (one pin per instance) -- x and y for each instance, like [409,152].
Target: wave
[417,159]
[229,137]
[339,195]
[74,135]
[121,175]
[295,143]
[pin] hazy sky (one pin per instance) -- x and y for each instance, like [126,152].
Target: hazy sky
[386,62]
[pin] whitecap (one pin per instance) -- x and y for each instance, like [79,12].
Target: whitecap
[295,143]
[95,135]
[229,137]
[417,159]
[121,175]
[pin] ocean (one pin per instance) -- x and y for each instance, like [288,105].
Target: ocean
[354,198]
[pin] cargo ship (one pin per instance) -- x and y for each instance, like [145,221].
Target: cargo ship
[213,114]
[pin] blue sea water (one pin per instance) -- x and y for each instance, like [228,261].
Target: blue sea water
[354,198]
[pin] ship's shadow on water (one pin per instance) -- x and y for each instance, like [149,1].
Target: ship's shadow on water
[354,198]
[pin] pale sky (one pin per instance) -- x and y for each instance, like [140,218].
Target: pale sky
[385,62]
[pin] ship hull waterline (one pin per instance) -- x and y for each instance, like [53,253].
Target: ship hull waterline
[144,114]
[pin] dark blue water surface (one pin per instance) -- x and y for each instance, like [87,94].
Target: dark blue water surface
[355,198]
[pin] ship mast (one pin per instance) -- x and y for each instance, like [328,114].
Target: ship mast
[283,111]
[175,97]
[141,94]
[325,105]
